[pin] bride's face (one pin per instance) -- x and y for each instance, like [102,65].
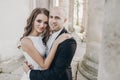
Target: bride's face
[40,23]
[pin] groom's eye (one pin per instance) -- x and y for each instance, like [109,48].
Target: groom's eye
[57,17]
[50,16]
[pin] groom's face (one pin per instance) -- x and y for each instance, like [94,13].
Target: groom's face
[56,19]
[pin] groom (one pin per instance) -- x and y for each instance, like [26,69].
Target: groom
[60,68]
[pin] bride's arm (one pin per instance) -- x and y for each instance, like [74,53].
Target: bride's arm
[28,47]
[52,52]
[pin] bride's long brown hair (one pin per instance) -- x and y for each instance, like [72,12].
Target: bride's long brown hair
[30,23]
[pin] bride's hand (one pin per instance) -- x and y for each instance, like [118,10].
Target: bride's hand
[62,38]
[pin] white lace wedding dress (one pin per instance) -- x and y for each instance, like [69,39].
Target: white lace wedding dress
[38,44]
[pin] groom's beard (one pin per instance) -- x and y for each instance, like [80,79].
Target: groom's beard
[57,29]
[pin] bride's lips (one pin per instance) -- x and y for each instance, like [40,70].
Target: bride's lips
[42,28]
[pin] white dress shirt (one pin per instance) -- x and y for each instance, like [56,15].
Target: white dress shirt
[51,40]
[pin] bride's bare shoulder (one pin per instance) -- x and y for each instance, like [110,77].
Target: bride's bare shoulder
[26,42]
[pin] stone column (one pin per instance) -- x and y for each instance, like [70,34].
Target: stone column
[32,5]
[42,3]
[65,5]
[88,68]
[39,3]
[68,5]
[109,66]
[71,14]
[51,3]
[85,17]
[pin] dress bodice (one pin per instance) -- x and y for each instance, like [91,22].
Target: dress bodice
[38,44]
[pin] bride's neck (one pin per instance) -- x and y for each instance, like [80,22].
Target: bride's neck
[34,34]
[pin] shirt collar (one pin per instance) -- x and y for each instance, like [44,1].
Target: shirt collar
[57,33]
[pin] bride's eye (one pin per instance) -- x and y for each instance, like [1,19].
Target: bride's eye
[45,22]
[39,21]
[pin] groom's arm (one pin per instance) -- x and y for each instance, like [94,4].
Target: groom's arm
[65,55]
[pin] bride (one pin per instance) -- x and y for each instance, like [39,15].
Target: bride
[34,39]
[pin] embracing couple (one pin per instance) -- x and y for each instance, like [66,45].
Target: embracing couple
[47,46]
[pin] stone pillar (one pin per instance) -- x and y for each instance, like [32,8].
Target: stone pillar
[71,14]
[51,3]
[65,5]
[85,17]
[42,3]
[39,3]
[68,5]
[32,5]
[88,68]
[109,66]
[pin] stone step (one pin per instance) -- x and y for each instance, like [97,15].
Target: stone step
[7,76]
[11,65]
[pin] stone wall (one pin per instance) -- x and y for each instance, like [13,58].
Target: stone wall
[13,15]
